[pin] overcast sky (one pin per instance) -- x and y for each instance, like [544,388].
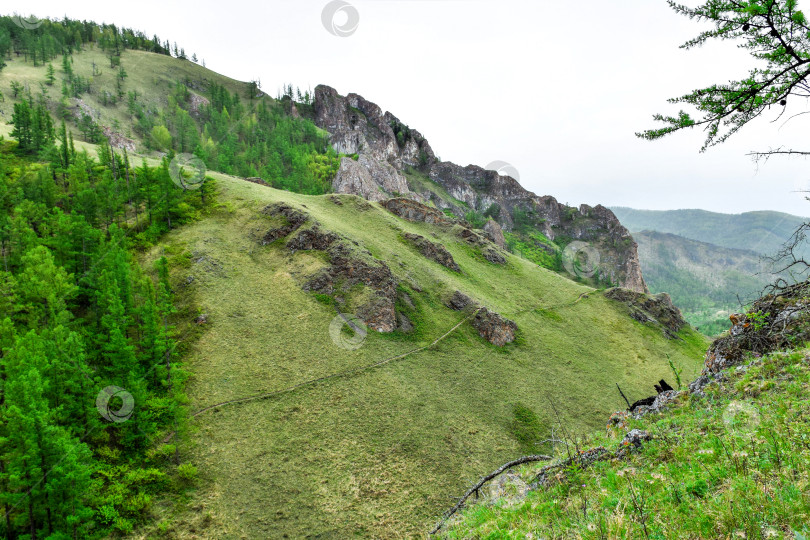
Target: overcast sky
[557,89]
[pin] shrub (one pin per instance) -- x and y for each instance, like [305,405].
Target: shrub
[187,472]
[526,427]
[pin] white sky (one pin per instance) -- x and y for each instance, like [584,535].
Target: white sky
[557,89]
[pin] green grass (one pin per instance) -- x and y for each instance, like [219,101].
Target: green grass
[732,465]
[375,454]
[529,247]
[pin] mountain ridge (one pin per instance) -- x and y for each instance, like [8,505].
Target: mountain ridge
[386,148]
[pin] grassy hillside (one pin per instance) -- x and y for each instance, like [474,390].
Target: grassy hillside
[372,453]
[375,453]
[154,76]
[763,232]
[706,282]
[731,465]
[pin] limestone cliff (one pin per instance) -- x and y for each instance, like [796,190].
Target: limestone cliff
[387,149]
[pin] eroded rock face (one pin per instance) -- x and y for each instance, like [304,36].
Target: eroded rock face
[657,309]
[358,126]
[493,256]
[347,268]
[496,329]
[415,211]
[294,219]
[495,233]
[373,180]
[432,251]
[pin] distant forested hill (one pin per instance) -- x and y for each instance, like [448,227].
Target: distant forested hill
[707,282]
[708,261]
[763,232]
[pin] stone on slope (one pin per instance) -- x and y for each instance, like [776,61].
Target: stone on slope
[496,329]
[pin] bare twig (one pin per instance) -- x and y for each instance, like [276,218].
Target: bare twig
[625,397]
[484,480]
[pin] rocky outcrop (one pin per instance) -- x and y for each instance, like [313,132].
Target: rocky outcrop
[432,251]
[597,226]
[415,211]
[386,147]
[495,233]
[493,256]
[291,219]
[357,126]
[657,309]
[459,301]
[496,329]
[347,266]
[773,322]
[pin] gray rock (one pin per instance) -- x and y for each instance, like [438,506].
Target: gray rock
[459,301]
[432,251]
[495,233]
[496,329]
[493,256]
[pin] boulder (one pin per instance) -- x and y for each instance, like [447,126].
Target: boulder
[312,238]
[496,329]
[434,252]
[493,256]
[495,233]
[657,309]
[459,301]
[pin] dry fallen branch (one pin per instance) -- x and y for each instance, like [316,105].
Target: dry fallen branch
[474,490]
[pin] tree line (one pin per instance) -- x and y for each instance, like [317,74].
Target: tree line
[78,315]
[66,36]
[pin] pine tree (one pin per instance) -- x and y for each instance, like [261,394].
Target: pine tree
[21,120]
[44,289]
[67,68]
[64,149]
[50,76]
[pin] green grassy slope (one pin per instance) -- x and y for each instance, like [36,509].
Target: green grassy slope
[375,454]
[763,232]
[731,465]
[706,282]
[154,76]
